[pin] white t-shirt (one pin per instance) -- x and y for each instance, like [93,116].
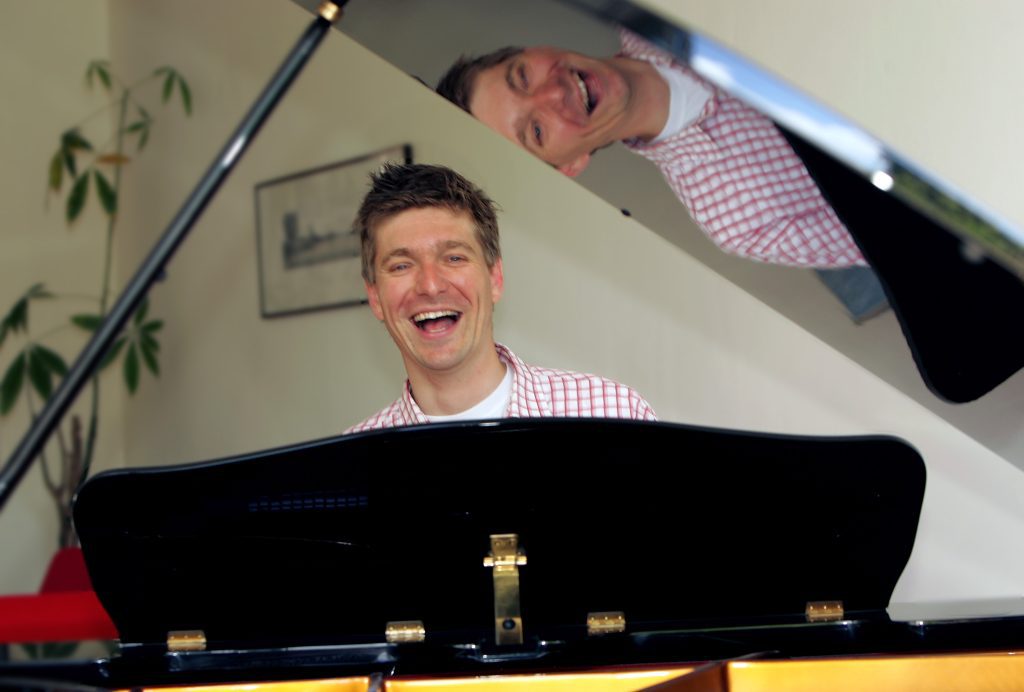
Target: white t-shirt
[688,97]
[494,404]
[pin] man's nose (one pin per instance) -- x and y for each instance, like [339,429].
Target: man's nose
[430,281]
[550,94]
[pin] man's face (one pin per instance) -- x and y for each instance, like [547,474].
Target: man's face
[561,106]
[434,291]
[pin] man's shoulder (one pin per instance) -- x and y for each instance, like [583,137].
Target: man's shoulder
[571,378]
[633,46]
[586,394]
[388,417]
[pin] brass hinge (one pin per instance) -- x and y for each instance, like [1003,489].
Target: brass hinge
[506,558]
[611,622]
[404,631]
[824,611]
[186,640]
[329,11]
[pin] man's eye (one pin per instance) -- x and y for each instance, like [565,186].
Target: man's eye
[455,259]
[537,134]
[523,83]
[398,266]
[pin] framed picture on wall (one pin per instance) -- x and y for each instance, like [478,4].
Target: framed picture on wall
[308,250]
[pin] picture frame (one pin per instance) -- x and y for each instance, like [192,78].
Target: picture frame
[307,248]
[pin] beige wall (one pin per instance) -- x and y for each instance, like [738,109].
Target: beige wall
[44,50]
[585,288]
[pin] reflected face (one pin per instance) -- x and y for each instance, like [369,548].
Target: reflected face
[434,291]
[559,105]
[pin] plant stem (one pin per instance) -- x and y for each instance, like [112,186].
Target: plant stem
[106,107]
[52,487]
[90,445]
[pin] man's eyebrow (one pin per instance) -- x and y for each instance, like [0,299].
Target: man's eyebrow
[457,244]
[404,252]
[510,80]
[397,252]
[509,76]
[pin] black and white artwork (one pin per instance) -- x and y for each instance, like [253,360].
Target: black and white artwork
[308,248]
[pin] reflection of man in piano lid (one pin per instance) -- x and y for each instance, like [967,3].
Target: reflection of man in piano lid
[433,271]
[740,179]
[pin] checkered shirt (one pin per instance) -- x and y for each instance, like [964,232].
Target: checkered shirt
[743,183]
[536,393]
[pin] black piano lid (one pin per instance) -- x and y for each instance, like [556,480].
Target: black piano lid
[329,540]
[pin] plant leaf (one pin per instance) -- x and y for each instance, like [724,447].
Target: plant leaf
[89,323]
[107,193]
[144,114]
[52,360]
[141,127]
[73,139]
[131,369]
[114,159]
[153,326]
[69,161]
[39,374]
[147,341]
[149,357]
[112,354]
[168,85]
[186,95]
[140,312]
[76,199]
[56,172]
[10,386]
[17,317]
[38,290]
[100,68]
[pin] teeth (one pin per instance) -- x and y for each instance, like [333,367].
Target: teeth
[584,94]
[424,316]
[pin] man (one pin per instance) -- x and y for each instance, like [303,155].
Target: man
[433,272]
[728,163]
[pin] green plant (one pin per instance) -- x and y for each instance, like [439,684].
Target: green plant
[34,367]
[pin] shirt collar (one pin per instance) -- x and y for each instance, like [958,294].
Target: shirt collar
[524,392]
[528,398]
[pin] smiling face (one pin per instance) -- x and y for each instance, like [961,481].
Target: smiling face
[434,292]
[562,106]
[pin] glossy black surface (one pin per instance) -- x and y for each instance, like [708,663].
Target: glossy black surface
[959,314]
[328,541]
[150,666]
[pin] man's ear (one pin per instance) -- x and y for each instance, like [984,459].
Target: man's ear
[576,166]
[497,281]
[371,294]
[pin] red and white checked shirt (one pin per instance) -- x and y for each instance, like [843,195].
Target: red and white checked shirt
[536,393]
[743,183]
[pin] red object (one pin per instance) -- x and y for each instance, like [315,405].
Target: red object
[54,617]
[67,572]
[66,609]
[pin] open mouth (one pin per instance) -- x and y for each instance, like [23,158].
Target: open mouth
[436,321]
[589,102]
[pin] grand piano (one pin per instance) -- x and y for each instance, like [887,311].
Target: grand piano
[600,554]
[732,558]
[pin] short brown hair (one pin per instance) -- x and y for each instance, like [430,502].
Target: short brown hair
[400,187]
[458,82]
